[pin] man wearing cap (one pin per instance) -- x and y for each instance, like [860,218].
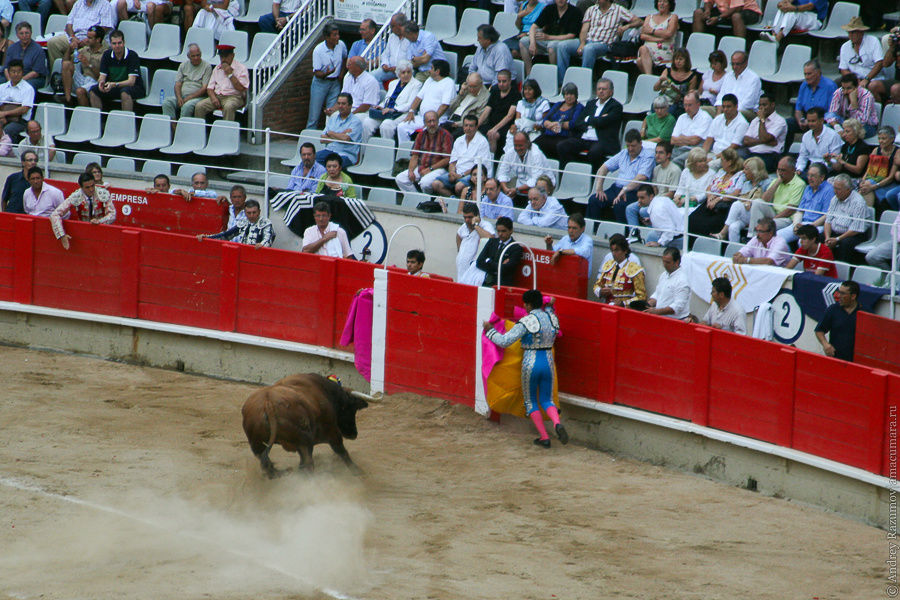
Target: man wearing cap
[862,54]
[227,85]
[120,75]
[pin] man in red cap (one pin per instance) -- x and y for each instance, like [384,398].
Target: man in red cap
[227,86]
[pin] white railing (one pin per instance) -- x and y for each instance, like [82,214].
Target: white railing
[372,53]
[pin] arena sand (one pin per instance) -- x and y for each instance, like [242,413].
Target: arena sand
[119,481]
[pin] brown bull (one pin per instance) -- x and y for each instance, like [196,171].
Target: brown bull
[299,412]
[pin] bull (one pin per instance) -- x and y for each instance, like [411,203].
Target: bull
[298,412]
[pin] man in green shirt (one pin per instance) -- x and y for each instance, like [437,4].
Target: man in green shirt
[190,85]
[783,196]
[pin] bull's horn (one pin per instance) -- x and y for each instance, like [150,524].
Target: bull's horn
[376,397]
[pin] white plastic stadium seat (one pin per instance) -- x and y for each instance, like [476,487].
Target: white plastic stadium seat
[841,13]
[255,9]
[379,157]
[891,116]
[620,84]
[505,24]
[642,95]
[868,275]
[732,248]
[83,159]
[576,182]
[403,152]
[163,81]
[762,58]
[708,246]
[518,70]
[383,196]
[729,44]
[202,37]
[156,167]
[791,67]
[882,231]
[581,77]
[57,68]
[190,136]
[155,133]
[643,8]
[55,24]
[608,229]
[261,42]
[120,130]
[546,77]
[307,135]
[124,165]
[700,45]
[84,125]
[468,27]
[135,35]
[187,170]
[224,139]
[412,199]
[453,61]
[241,42]
[165,40]
[441,21]
[768,17]
[52,117]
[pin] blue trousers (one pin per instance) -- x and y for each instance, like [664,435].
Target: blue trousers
[267,21]
[596,208]
[537,379]
[322,92]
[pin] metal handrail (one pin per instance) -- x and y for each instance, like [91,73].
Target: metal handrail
[533,263]
[377,46]
[387,252]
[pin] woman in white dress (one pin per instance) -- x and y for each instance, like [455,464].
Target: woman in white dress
[217,15]
[694,180]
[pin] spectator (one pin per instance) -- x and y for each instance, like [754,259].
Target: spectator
[157,11]
[226,88]
[782,198]
[254,230]
[713,77]
[120,75]
[469,236]
[845,224]
[839,321]
[576,243]
[88,203]
[813,204]
[83,15]
[327,62]
[423,50]
[43,7]
[16,184]
[550,32]
[40,199]
[694,180]
[862,55]
[491,55]
[662,215]
[435,95]
[94,170]
[880,183]
[326,238]
[817,141]
[603,23]
[742,82]
[494,203]
[191,79]
[161,185]
[367,30]
[852,102]
[275,21]
[796,14]
[766,133]
[16,101]
[530,111]
[34,140]
[401,92]
[854,155]
[596,129]
[334,182]
[493,257]
[666,174]
[33,57]
[497,117]
[880,255]
[816,257]
[343,133]
[306,175]
[632,165]
[470,101]
[429,158]
[543,210]
[765,248]
[738,217]
[415,261]
[739,13]
[690,128]
[658,34]
[672,297]
[727,130]
[709,217]
[237,207]
[199,189]
[528,12]
[723,313]
[659,123]
[361,86]
[557,120]
[814,91]
[397,50]
[469,150]
[188,10]
[83,75]
[620,280]
[677,81]
[520,167]
[891,53]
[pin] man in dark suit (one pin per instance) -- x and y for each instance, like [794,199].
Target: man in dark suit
[490,255]
[596,129]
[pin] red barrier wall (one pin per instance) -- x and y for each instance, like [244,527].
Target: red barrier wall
[568,277]
[877,342]
[7,258]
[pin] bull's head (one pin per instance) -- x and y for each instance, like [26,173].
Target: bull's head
[351,402]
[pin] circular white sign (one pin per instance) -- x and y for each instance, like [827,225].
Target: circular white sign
[126,209]
[787,318]
[526,270]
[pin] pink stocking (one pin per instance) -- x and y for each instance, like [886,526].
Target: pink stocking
[553,414]
[539,424]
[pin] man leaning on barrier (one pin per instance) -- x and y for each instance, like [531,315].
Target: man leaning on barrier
[253,230]
[88,203]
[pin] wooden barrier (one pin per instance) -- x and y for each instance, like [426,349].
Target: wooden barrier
[568,277]
[877,342]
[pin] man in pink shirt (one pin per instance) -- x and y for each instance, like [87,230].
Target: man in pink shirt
[40,199]
[764,249]
[227,86]
[739,12]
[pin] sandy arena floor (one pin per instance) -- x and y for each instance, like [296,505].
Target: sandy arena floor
[126,482]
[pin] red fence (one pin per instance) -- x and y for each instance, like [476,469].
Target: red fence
[877,342]
[568,277]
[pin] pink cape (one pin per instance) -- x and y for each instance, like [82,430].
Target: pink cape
[358,331]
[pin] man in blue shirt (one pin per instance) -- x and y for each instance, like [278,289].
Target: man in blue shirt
[33,57]
[814,202]
[577,242]
[305,176]
[343,133]
[423,48]
[840,321]
[633,164]
[367,30]
[814,91]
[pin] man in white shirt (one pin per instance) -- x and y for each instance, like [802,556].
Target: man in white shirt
[469,236]
[818,141]
[364,88]
[16,101]
[766,134]
[742,82]
[672,296]
[723,313]
[666,219]
[327,62]
[468,150]
[690,128]
[543,210]
[326,238]
[726,131]
[395,51]
[435,95]
[520,167]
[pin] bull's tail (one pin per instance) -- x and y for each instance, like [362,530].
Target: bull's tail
[272,420]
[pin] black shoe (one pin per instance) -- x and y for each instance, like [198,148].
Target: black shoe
[540,442]
[562,434]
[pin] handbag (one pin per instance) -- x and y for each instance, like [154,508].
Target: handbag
[430,206]
[623,50]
